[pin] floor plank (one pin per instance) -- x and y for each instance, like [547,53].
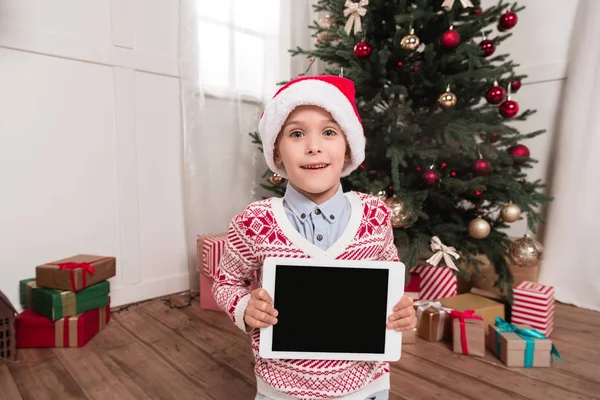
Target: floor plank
[39,375]
[8,387]
[198,366]
[98,376]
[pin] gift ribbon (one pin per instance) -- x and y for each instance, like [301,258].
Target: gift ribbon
[423,305]
[462,316]
[83,266]
[529,335]
[442,251]
[450,3]
[355,11]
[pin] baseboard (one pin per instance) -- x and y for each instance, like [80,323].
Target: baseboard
[146,290]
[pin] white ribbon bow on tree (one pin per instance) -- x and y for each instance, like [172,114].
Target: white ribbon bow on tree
[442,251]
[423,305]
[450,3]
[355,11]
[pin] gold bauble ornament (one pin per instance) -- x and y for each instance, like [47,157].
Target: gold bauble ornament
[325,22]
[410,42]
[526,251]
[510,212]
[479,228]
[276,179]
[399,215]
[447,100]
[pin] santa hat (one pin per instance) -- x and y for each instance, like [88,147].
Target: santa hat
[334,94]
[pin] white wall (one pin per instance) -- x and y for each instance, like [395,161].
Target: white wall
[91,137]
[90,155]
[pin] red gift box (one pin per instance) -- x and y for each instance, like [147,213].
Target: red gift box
[534,305]
[36,331]
[435,282]
[209,249]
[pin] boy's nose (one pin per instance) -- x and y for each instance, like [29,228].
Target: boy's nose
[313,145]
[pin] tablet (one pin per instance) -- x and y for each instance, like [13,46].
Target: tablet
[332,309]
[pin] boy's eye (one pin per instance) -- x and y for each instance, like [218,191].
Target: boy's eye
[330,132]
[296,134]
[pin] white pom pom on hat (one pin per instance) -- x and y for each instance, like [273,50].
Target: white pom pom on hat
[334,94]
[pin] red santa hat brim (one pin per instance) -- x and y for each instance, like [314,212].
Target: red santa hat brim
[332,93]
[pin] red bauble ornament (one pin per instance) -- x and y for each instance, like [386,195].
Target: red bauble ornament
[507,21]
[509,108]
[495,95]
[476,11]
[482,167]
[494,137]
[450,39]
[362,50]
[519,151]
[488,47]
[430,177]
[515,85]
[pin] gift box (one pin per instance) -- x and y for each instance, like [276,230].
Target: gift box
[209,249]
[75,273]
[533,305]
[487,309]
[413,287]
[56,304]
[433,320]
[435,282]
[520,345]
[409,337]
[36,331]
[468,333]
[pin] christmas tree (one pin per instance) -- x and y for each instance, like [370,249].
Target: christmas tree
[435,99]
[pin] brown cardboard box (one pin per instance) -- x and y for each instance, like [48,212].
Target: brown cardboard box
[511,348]
[433,324]
[409,337]
[488,309]
[75,273]
[474,334]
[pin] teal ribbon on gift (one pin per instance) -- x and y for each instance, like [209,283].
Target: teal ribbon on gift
[529,335]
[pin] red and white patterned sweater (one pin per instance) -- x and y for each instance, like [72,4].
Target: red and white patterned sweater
[263,230]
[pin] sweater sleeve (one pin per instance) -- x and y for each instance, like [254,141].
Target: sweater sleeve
[389,251]
[236,273]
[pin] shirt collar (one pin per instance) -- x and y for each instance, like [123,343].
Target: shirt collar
[300,204]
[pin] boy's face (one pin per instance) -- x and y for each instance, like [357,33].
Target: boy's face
[313,150]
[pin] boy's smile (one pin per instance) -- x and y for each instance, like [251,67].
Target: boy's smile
[313,150]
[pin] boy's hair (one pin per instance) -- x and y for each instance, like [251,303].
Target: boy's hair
[334,94]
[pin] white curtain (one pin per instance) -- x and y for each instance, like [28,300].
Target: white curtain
[232,55]
[570,262]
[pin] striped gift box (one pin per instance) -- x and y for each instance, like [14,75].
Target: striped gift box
[436,282]
[534,305]
[209,249]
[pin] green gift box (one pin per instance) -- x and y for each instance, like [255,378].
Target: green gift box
[56,304]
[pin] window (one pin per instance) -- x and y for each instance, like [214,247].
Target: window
[233,38]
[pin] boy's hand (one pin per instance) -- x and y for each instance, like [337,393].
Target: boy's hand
[404,317]
[260,312]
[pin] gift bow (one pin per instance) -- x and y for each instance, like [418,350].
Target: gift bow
[528,334]
[450,3]
[462,316]
[423,305]
[355,11]
[84,266]
[442,251]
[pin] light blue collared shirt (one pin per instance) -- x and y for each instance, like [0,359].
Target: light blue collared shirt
[322,225]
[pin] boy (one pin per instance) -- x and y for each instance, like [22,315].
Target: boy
[312,135]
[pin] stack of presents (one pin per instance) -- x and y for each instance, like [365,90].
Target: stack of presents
[517,333]
[66,304]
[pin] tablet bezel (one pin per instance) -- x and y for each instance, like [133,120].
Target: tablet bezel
[393,339]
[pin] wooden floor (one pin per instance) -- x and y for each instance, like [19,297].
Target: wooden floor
[154,351]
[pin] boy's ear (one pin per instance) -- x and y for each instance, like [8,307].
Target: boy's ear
[276,155]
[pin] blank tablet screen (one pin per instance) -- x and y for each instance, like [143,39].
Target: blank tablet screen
[330,309]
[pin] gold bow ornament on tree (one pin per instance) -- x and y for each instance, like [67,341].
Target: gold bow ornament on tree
[450,3]
[353,12]
[442,251]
